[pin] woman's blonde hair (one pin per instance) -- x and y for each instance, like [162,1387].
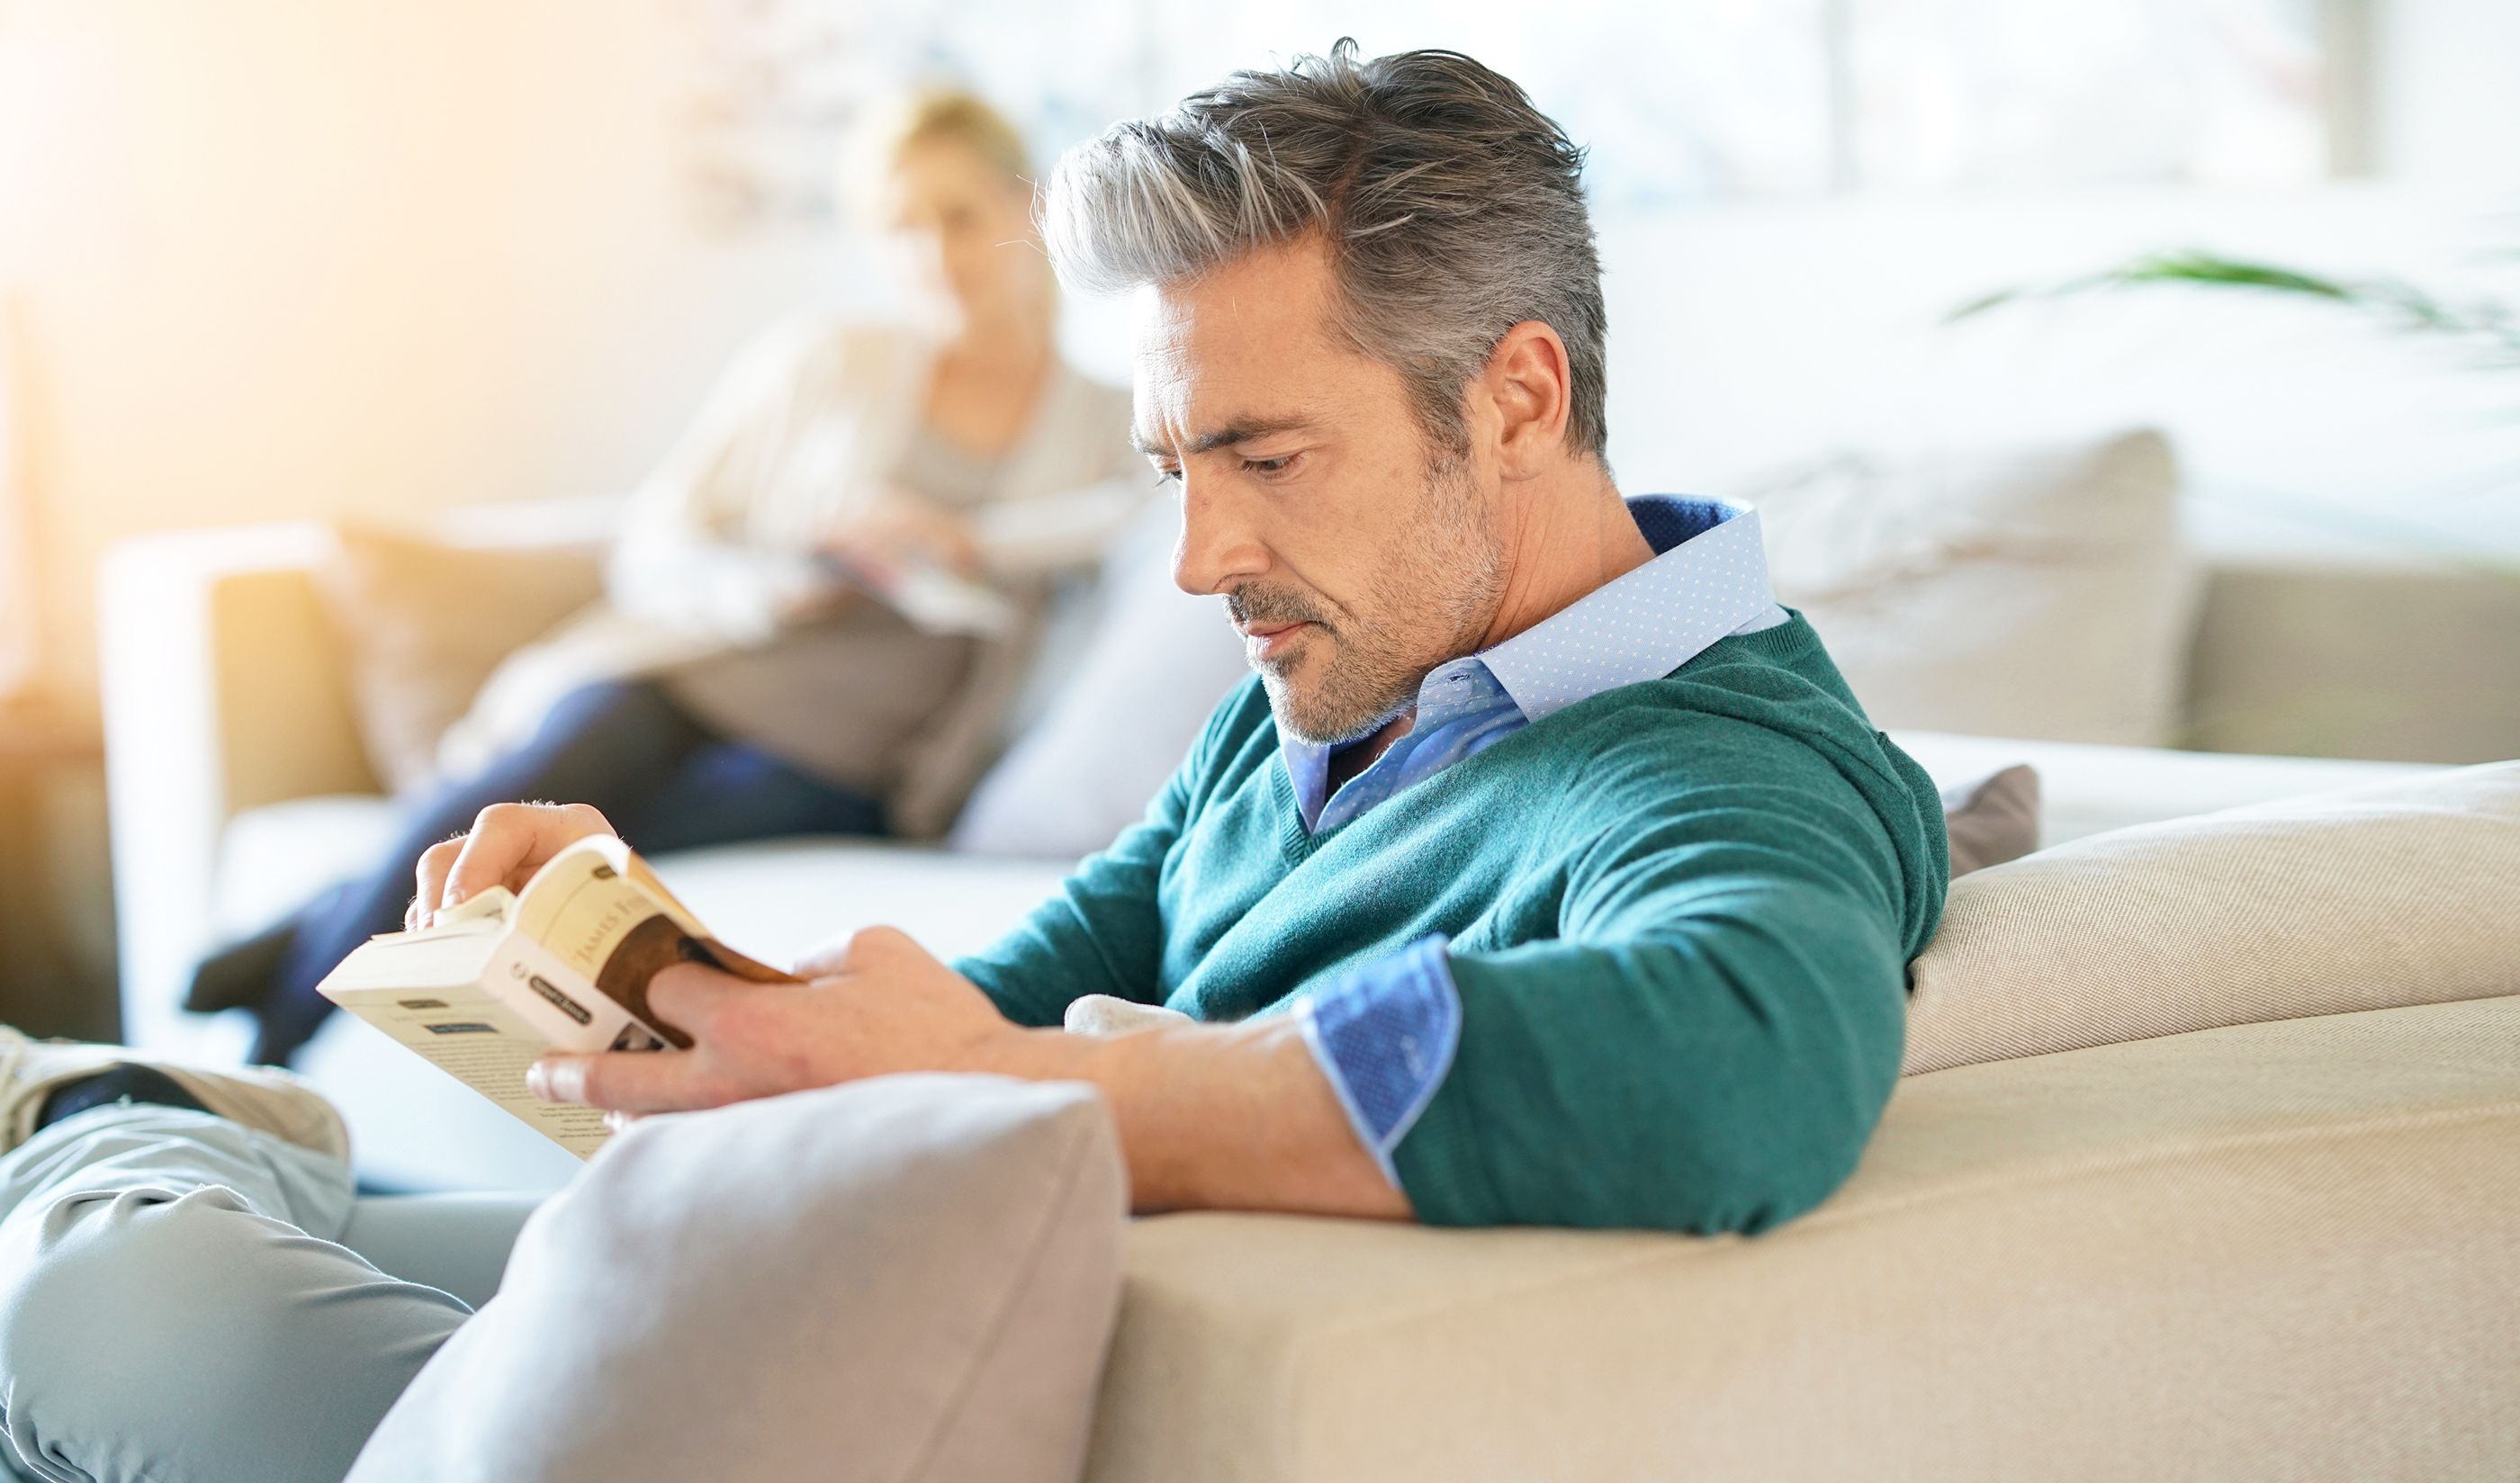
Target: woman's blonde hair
[891,130]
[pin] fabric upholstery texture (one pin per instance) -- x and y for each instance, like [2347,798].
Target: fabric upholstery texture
[2268,1252]
[904,1279]
[2392,893]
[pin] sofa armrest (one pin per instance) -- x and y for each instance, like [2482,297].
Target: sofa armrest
[2214,1255]
[223,690]
[226,689]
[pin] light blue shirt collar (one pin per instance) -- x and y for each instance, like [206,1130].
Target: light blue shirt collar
[1707,580]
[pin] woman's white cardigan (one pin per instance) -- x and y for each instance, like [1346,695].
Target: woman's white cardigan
[802,433]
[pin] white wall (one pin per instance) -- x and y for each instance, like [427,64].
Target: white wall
[1747,338]
[290,258]
[1744,338]
[2448,82]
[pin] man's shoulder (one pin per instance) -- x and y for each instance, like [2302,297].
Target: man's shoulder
[1764,707]
[1766,711]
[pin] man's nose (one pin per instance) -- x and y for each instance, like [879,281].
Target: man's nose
[1219,546]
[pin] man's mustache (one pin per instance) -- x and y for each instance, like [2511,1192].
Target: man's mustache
[1248,606]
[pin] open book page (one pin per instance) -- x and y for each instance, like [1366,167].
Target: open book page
[605,916]
[564,965]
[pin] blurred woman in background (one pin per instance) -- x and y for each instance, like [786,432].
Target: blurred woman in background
[822,602]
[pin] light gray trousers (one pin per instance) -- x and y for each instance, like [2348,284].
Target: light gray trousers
[911,1278]
[184,1298]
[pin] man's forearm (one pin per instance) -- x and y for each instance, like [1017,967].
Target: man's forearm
[1228,1118]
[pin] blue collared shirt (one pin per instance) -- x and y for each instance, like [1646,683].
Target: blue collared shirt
[1385,1034]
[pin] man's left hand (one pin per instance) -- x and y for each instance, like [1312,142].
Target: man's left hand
[883,1003]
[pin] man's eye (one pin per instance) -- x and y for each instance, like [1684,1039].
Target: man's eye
[1269,466]
[1167,476]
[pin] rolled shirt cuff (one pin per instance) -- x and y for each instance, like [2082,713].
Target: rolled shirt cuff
[1384,1037]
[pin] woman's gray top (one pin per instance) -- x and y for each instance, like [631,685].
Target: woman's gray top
[843,696]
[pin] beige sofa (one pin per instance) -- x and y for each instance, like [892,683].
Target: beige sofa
[2276,1249]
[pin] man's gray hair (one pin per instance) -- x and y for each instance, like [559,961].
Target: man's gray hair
[1452,209]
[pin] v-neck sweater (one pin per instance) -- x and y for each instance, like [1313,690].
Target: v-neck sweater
[1678,913]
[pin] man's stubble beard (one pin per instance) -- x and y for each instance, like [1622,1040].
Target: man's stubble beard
[1431,600]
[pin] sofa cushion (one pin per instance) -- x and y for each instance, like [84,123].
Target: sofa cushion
[2394,893]
[273,858]
[427,621]
[2041,592]
[906,1277]
[1151,664]
[2127,1262]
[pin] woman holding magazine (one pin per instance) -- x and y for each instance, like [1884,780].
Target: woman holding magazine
[823,601]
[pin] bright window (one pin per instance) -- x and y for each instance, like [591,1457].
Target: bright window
[1679,100]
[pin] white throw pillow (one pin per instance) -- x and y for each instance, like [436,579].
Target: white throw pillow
[2041,593]
[1153,665]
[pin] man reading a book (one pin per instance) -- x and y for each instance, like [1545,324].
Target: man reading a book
[1546,872]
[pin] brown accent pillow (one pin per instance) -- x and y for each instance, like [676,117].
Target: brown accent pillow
[427,621]
[1992,819]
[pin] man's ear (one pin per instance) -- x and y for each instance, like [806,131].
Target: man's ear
[1532,388]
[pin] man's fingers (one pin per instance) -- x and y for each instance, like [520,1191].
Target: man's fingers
[824,959]
[871,946]
[623,1081]
[685,996]
[510,841]
[856,952]
[434,861]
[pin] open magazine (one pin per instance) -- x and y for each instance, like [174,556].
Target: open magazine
[560,966]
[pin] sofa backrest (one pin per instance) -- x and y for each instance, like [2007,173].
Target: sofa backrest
[2408,664]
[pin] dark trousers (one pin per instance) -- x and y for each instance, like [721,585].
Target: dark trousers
[665,780]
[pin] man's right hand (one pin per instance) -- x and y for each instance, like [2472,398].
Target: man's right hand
[507,845]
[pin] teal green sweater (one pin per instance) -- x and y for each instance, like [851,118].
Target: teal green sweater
[1680,915]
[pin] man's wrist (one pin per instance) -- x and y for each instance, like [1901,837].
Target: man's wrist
[1236,1116]
[1032,1053]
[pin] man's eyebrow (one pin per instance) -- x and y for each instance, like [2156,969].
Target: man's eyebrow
[1241,431]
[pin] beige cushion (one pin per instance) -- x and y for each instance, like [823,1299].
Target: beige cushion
[2270,1251]
[429,620]
[2038,593]
[2394,893]
[1150,653]
[906,1277]
[1992,819]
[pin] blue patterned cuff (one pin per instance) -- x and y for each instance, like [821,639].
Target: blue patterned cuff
[1385,1036]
